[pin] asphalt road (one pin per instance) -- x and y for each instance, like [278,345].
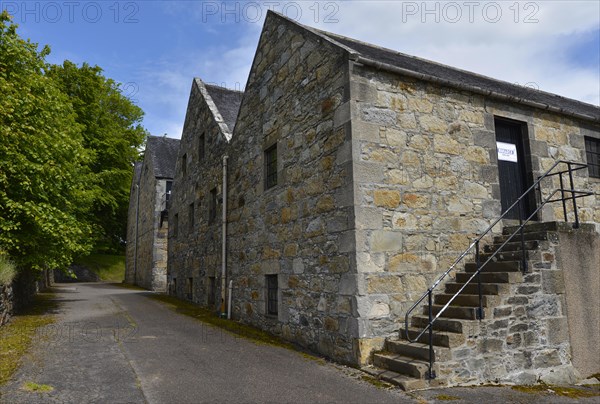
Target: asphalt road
[115,345]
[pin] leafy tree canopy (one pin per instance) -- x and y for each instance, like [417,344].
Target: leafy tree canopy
[44,168]
[68,140]
[112,133]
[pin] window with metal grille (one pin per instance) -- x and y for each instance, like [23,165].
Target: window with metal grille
[592,151]
[212,208]
[201,147]
[190,288]
[271,294]
[211,290]
[271,167]
[175,224]
[191,216]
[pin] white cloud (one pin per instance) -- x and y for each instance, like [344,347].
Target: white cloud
[515,51]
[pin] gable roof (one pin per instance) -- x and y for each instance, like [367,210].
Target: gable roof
[163,151]
[223,103]
[400,63]
[227,102]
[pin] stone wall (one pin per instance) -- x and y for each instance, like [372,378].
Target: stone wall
[195,241]
[147,256]
[426,183]
[579,257]
[130,249]
[301,229]
[6,303]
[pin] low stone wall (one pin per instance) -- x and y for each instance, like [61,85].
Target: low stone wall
[6,303]
[579,256]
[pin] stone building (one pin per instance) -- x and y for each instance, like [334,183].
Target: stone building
[195,240]
[147,220]
[355,177]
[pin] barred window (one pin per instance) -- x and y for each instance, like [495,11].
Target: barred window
[271,167]
[592,151]
[272,291]
[201,147]
[212,212]
[191,216]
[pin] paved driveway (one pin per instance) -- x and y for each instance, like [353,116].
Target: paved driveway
[115,345]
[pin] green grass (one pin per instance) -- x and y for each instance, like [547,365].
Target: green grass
[17,336]
[571,392]
[41,388]
[7,270]
[110,268]
[207,316]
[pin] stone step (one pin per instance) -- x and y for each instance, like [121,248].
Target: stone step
[533,227]
[506,266]
[491,277]
[464,312]
[512,246]
[473,289]
[466,300]
[536,236]
[441,324]
[416,350]
[401,364]
[503,256]
[406,383]
[440,338]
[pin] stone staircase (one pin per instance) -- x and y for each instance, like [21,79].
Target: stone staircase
[458,332]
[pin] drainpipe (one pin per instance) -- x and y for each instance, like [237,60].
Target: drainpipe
[137,218]
[224,240]
[229,303]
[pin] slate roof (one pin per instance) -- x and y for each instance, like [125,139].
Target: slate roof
[227,102]
[163,151]
[458,77]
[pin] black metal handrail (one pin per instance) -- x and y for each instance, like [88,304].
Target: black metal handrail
[475,244]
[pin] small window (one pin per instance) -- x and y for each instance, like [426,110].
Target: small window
[168,190]
[211,291]
[191,216]
[184,165]
[190,289]
[271,294]
[175,224]
[212,212]
[201,147]
[271,167]
[174,286]
[592,151]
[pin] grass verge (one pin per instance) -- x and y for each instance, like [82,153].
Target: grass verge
[110,268]
[571,392]
[16,336]
[233,327]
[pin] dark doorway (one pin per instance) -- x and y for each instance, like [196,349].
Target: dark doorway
[513,163]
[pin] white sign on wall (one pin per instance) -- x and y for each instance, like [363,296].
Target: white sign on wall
[507,151]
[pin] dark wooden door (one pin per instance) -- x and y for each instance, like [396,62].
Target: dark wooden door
[512,168]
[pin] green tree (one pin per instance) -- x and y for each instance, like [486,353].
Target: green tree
[44,169]
[112,133]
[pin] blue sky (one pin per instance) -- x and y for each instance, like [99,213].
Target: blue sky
[155,48]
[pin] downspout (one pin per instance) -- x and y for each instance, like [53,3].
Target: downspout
[137,219]
[224,240]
